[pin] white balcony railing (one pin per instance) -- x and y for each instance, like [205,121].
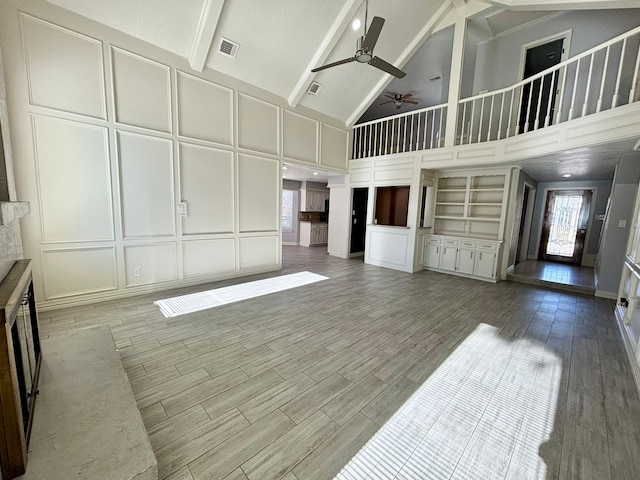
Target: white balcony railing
[416,130]
[599,79]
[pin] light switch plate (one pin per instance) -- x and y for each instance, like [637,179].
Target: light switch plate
[182,208]
[622,223]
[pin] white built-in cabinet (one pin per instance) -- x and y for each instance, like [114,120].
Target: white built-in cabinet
[312,234]
[462,256]
[313,201]
[468,223]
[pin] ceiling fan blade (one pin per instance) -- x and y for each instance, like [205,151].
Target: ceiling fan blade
[384,103]
[386,67]
[334,64]
[407,95]
[373,33]
[390,96]
[412,102]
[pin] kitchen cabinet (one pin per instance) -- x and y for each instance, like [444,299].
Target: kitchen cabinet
[312,234]
[313,201]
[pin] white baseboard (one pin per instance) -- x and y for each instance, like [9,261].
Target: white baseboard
[337,254]
[291,244]
[629,348]
[606,294]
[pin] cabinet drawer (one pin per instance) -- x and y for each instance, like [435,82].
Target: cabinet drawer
[467,244]
[490,247]
[435,241]
[450,242]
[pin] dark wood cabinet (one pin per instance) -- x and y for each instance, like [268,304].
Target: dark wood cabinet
[20,360]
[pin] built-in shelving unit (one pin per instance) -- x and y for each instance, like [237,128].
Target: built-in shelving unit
[471,204]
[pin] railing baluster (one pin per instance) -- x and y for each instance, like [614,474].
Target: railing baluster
[443,110]
[473,111]
[464,123]
[536,122]
[586,92]
[552,94]
[411,136]
[562,87]
[634,83]
[418,132]
[614,101]
[513,95]
[602,81]
[424,134]
[433,128]
[480,122]
[501,115]
[575,88]
[526,119]
[490,120]
[386,140]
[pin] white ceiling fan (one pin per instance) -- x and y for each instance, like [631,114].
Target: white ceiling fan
[364,49]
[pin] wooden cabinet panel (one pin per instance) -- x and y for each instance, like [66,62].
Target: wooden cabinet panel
[485,263]
[466,261]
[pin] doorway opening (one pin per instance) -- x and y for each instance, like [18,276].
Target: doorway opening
[564,227]
[538,98]
[526,219]
[360,197]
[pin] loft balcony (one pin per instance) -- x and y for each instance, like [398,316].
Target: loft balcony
[598,84]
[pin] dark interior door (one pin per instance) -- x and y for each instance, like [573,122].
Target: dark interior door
[523,219]
[564,226]
[533,105]
[359,219]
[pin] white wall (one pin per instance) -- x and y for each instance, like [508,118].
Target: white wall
[111,133]
[498,60]
[614,237]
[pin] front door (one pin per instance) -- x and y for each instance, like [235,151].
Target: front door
[564,226]
[536,105]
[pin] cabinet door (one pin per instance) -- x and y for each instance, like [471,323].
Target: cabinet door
[432,258]
[325,234]
[466,261]
[485,264]
[448,258]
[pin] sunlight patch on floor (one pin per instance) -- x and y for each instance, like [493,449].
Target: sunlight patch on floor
[194,302]
[483,414]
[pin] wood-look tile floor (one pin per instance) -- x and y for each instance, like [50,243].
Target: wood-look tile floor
[376,373]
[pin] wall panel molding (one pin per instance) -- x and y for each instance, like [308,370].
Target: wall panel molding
[74,82]
[141,91]
[205,109]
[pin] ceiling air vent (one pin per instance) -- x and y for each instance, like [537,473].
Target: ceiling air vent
[228,48]
[314,88]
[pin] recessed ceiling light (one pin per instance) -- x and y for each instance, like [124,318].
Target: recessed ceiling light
[284,167]
[356,24]
[566,175]
[315,173]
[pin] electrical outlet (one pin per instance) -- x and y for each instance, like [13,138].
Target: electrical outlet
[622,223]
[136,271]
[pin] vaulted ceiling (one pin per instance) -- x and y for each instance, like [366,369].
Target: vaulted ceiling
[280,41]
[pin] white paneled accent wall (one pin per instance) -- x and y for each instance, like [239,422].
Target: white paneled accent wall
[146,184]
[207,186]
[141,90]
[73,172]
[67,272]
[259,202]
[115,136]
[302,142]
[50,84]
[205,110]
[258,125]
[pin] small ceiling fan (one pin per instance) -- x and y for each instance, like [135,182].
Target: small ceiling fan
[364,49]
[398,99]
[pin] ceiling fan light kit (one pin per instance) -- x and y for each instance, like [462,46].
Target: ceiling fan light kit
[364,49]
